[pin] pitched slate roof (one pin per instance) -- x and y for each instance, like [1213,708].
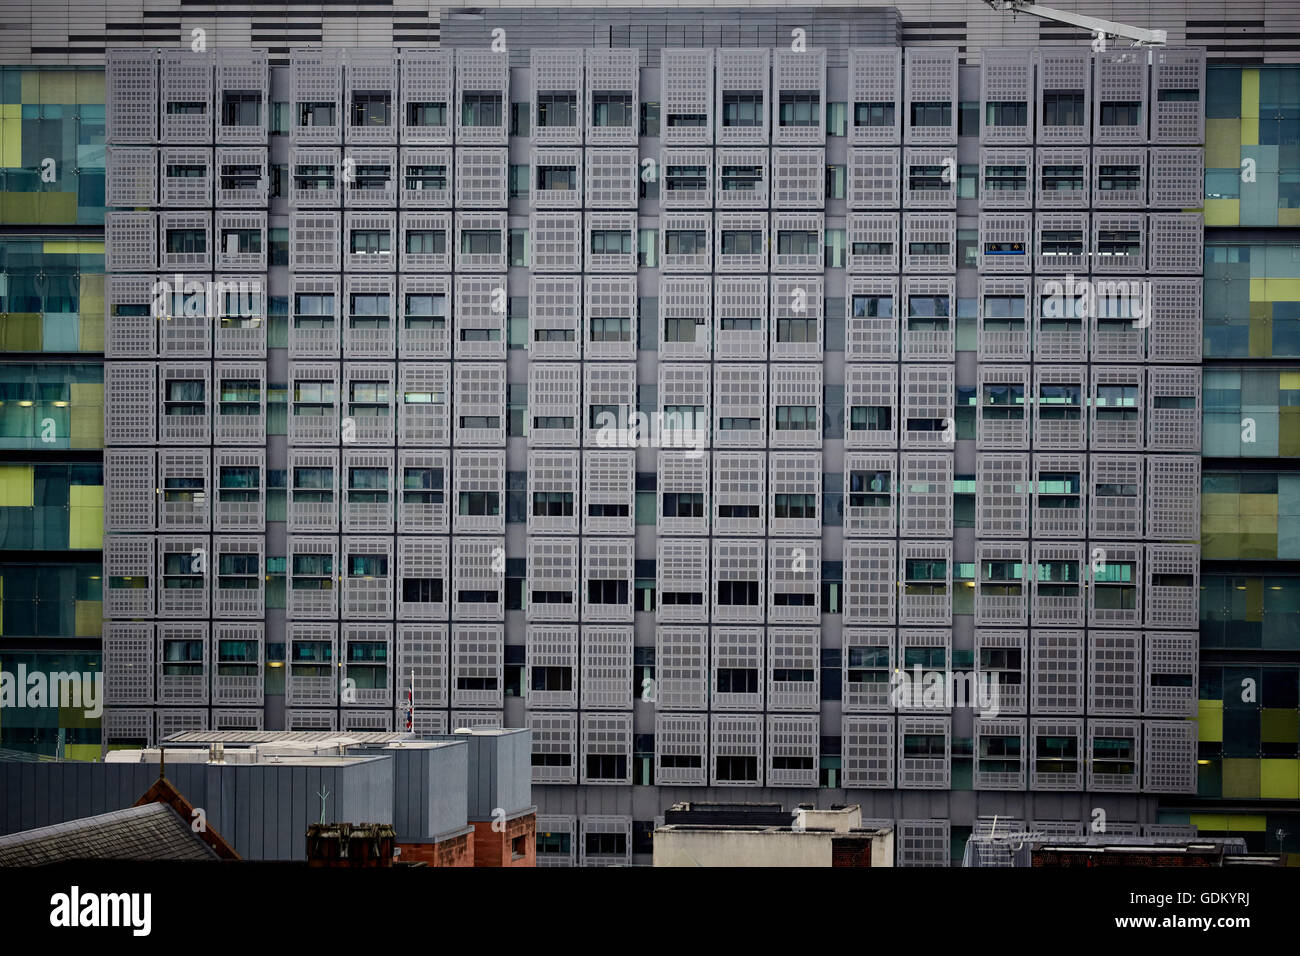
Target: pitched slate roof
[151,832]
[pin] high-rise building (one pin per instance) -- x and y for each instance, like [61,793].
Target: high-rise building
[669,382]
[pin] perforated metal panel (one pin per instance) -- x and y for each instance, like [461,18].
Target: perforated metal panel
[1176,241]
[870,582]
[554,480]
[1007,82]
[682,585]
[797,317]
[368,396]
[1172,596]
[736,751]
[682,672]
[421,652]
[607,577]
[311,720]
[371,238]
[686,241]
[568,191]
[128,725]
[314,575]
[1061,242]
[131,88]
[239,476]
[686,179]
[742,178]
[1177,177]
[1000,754]
[793,751]
[1003,419]
[183,490]
[613,79]
[600,852]
[423,578]
[929,245]
[130,332]
[1004,242]
[1115,756]
[739,493]
[480,316]
[1173,497]
[422,502]
[371,73]
[608,492]
[313,490]
[1006,177]
[925,495]
[315,177]
[370,175]
[793,669]
[130,403]
[1175,330]
[606,748]
[241,72]
[1057,576]
[130,489]
[132,177]
[1002,583]
[426,79]
[747,72]
[1115,677]
[741,317]
[311,680]
[184,419]
[875,78]
[478,579]
[930,82]
[687,93]
[927,400]
[366,650]
[741,409]
[368,491]
[477,666]
[798,177]
[423,410]
[425,179]
[1171,660]
[742,242]
[1177,117]
[925,582]
[554,310]
[368,567]
[552,586]
[1174,409]
[794,581]
[794,489]
[482,177]
[316,95]
[480,399]
[1063,70]
[551,825]
[922,764]
[315,309]
[1057,760]
[314,242]
[870,494]
[1169,756]
[227,719]
[130,241]
[606,663]
[612,179]
[552,666]
[555,747]
[129,662]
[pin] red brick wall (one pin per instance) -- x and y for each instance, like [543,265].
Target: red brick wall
[458,851]
[492,848]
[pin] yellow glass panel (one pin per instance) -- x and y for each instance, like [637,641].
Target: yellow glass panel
[1210,720]
[58,86]
[1223,212]
[1219,503]
[1279,725]
[91,329]
[81,752]
[57,207]
[16,485]
[1230,822]
[1250,107]
[11,140]
[1279,779]
[1259,505]
[21,331]
[89,618]
[1240,777]
[1223,143]
[1254,599]
[1288,217]
[90,86]
[80,247]
[86,516]
[87,415]
[1274,289]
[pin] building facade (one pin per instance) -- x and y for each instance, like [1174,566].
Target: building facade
[382,427]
